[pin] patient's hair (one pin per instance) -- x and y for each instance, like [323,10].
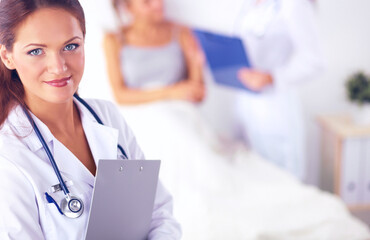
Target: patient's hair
[12,14]
[116,3]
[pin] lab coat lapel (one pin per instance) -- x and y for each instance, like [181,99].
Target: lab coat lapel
[69,165]
[102,139]
[23,128]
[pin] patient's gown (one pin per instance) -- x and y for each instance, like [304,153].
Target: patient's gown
[221,190]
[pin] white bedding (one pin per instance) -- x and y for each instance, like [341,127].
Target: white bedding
[223,191]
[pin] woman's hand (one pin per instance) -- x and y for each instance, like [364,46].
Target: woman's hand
[193,91]
[254,80]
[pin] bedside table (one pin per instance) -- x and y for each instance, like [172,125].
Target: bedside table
[345,160]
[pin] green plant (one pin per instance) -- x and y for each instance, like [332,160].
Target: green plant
[358,88]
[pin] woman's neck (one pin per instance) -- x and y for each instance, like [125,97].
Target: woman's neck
[61,119]
[148,29]
[142,33]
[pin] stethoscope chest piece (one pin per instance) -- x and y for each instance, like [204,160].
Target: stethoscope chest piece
[72,206]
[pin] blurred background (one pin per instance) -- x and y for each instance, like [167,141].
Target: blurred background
[336,142]
[344,38]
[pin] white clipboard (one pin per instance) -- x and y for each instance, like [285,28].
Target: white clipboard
[123,199]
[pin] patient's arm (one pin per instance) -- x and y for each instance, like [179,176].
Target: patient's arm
[183,90]
[193,55]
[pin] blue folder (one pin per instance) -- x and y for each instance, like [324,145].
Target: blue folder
[225,56]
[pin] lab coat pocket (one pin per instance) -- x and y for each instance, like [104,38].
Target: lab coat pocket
[53,216]
[53,203]
[56,223]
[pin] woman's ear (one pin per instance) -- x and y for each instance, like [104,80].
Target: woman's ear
[6,58]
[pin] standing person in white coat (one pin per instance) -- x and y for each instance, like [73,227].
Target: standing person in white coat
[281,42]
[42,53]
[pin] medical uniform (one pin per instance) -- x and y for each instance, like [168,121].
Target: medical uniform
[26,175]
[281,39]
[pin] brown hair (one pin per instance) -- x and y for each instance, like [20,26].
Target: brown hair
[12,13]
[116,4]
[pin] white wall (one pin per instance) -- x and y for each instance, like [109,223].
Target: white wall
[345,39]
[345,42]
[98,18]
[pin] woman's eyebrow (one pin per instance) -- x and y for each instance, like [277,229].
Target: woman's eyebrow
[70,40]
[44,45]
[35,45]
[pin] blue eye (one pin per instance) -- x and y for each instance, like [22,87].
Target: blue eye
[35,52]
[71,47]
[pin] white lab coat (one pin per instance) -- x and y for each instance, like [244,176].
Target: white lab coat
[281,39]
[26,174]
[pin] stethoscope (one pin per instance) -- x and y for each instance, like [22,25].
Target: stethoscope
[71,206]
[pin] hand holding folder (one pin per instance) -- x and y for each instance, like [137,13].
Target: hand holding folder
[225,56]
[255,80]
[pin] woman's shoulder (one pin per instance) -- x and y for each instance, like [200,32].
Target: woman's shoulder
[184,34]
[115,38]
[14,129]
[178,28]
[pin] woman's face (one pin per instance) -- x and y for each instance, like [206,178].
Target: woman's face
[48,55]
[148,10]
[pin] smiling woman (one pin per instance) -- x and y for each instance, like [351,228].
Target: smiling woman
[49,60]
[12,14]
[49,139]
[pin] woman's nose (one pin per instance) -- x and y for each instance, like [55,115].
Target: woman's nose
[56,64]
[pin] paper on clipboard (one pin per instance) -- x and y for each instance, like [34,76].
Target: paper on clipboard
[225,56]
[123,199]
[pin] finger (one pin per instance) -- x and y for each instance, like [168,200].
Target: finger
[244,74]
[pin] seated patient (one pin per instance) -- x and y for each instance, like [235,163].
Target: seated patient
[45,126]
[152,59]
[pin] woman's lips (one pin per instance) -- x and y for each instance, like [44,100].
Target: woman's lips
[59,82]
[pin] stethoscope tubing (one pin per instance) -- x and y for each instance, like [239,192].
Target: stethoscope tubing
[97,119]
[48,152]
[50,155]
